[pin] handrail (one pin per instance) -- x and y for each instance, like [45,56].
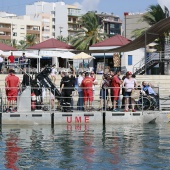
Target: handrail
[141,63]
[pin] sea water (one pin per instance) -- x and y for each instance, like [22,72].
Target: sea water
[82,147]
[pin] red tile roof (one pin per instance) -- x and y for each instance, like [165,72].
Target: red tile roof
[51,43]
[5,47]
[116,40]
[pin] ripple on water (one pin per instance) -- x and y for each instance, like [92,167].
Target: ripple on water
[112,147]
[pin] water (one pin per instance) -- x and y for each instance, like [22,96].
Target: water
[115,147]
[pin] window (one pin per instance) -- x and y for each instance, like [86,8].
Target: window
[14,33]
[129,60]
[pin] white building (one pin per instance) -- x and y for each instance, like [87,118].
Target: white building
[64,17]
[124,61]
[13,27]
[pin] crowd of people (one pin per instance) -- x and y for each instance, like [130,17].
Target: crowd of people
[112,87]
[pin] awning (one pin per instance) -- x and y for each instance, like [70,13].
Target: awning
[151,34]
[19,54]
[82,56]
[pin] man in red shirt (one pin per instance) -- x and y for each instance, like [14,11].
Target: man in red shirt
[11,60]
[116,82]
[87,85]
[12,84]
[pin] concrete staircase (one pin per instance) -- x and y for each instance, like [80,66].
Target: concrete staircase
[161,81]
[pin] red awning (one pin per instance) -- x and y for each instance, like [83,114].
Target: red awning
[51,43]
[5,47]
[116,40]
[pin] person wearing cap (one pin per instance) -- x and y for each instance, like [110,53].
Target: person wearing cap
[12,85]
[129,83]
[116,82]
[87,85]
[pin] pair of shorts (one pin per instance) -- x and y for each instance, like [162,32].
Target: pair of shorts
[104,94]
[12,95]
[127,94]
[116,93]
[88,95]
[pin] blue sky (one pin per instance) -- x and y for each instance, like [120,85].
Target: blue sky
[118,7]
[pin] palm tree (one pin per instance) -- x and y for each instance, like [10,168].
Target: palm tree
[61,38]
[90,34]
[154,14]
[30,40]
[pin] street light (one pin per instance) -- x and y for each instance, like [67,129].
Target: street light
[60,31]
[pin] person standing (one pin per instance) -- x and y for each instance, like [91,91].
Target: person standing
[80,92]
[66,90]
[116,82]
[87,85]
[129,83]
[12,85]
[22,61]
[11,60]
[1,63]
[53,73]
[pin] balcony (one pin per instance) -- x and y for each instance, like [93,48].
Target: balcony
[5,37]
[5,29]
[33,31]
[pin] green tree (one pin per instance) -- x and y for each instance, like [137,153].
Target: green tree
[30,40]
[61,38]
[154,14]
[90,34]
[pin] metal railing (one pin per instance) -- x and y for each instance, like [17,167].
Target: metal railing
[151,57]
[101,100]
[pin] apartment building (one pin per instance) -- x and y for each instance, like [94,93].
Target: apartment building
[111,24]
[63,18]
[132,21]
[74,14]
[13,27]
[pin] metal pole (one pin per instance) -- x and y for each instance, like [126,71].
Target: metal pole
[125,26]
[145,52]
[104,62]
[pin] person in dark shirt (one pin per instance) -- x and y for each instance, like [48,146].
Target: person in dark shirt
[26,81]
[66,91]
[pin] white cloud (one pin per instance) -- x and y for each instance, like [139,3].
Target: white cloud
[164,3]
[88,5]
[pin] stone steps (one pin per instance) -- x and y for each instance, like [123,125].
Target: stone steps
[163,81]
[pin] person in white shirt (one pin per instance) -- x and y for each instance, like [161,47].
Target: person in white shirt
[80,103]
[53,73]
[1,63]
[129,83]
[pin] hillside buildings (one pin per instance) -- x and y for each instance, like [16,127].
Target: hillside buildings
[111,24]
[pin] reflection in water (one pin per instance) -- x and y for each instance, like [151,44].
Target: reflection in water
[12,151]
[85,147]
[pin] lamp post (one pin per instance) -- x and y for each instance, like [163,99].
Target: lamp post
[60,31]
[125,15]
